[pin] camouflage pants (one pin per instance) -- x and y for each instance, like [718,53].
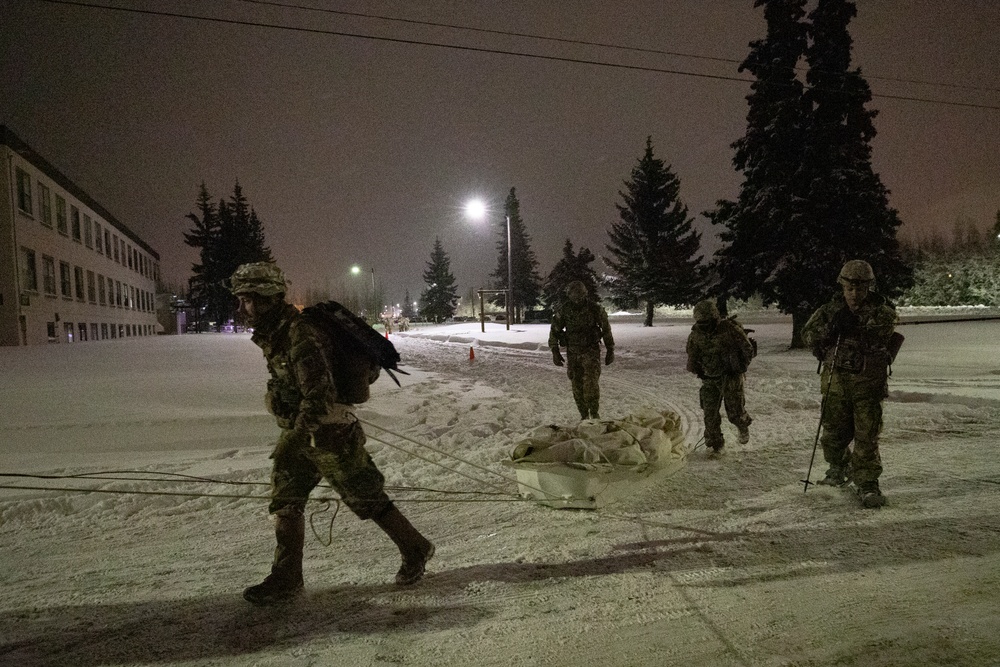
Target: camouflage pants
[728,390]
[583,366]
[853,411]
[339,456]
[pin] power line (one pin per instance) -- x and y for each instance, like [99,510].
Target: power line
[414,42]
[582,42]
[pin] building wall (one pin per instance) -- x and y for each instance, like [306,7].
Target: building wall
[59,281]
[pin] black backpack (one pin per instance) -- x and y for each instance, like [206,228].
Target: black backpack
[354,350]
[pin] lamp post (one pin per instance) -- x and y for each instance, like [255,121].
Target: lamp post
[356,270]
[476,210]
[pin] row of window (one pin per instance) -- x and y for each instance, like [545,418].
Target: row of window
[89,232]
[95,289]
[97,331]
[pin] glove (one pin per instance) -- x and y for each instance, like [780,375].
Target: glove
[557,357]
[609,357]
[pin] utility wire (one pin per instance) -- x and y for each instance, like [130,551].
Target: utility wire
[581,42]
[520,54]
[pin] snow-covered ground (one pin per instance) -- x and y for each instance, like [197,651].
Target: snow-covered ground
[720,563]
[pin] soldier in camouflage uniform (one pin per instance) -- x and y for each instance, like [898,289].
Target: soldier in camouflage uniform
[851,335]
[320,437]
[719,353]
[579,326]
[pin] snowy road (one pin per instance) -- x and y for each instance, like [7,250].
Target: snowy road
[722,563]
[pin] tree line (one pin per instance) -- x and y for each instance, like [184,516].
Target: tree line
[809,201]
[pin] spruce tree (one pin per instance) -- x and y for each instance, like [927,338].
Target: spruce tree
[206,286]
[227,235]
[524,265]
[653,247]
[407,310]
[572,266]
[847,206]
[439,298]
[765,225]
[810,199]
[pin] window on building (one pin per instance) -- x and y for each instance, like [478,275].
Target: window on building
[102,296]
[68,328]
[93,331]
[88,232]
[111,291]
[118,294]
[107,243]
[29,274]
[114,240]
[114,331]
[61,225]
[82,329]
[104,330]
[74,221]
[44,204]
[50,330]
[78,282]
[65,280]
[24,192]
[49,275]
[91,287]
[98,246]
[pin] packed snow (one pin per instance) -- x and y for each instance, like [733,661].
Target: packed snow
[154,456]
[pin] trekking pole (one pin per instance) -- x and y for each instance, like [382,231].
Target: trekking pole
[822,411]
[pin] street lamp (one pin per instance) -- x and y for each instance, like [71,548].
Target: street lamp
[476,209]
[356,270]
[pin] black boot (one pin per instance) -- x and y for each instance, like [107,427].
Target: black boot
[415,549]
[285,580]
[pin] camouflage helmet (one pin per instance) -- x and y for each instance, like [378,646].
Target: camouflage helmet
[706,310]
[856,271]
[576,290]
[264,278]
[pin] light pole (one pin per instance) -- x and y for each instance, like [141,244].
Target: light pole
[356,270]
[476,210]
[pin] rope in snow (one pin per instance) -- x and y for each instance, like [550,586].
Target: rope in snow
[445,454]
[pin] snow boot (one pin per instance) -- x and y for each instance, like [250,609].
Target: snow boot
[415,549]
[870,495]
[744,437]
[285,580]
[835,476]
[716,451]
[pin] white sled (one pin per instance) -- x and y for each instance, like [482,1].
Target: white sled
[599,461]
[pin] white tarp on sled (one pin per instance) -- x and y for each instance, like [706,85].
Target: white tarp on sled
[597,461]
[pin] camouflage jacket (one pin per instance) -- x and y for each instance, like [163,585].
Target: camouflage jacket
[301,393]
[718,348]
[580,326]
[860,343]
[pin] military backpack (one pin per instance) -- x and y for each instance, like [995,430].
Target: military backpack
[355,352]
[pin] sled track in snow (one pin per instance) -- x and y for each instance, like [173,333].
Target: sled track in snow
[691,422]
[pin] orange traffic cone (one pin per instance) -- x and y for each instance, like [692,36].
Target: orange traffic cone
[472,355]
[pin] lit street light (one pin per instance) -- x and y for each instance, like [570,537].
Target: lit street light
[476,209]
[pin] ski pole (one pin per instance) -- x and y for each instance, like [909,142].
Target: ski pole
[822,411]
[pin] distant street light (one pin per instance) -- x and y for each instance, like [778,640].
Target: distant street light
[476,209]
[356,270]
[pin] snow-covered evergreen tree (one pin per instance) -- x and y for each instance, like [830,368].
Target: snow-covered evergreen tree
[439,298]
[653,246]
[572,266]
[524,265]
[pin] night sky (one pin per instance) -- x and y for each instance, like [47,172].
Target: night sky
[362,151]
